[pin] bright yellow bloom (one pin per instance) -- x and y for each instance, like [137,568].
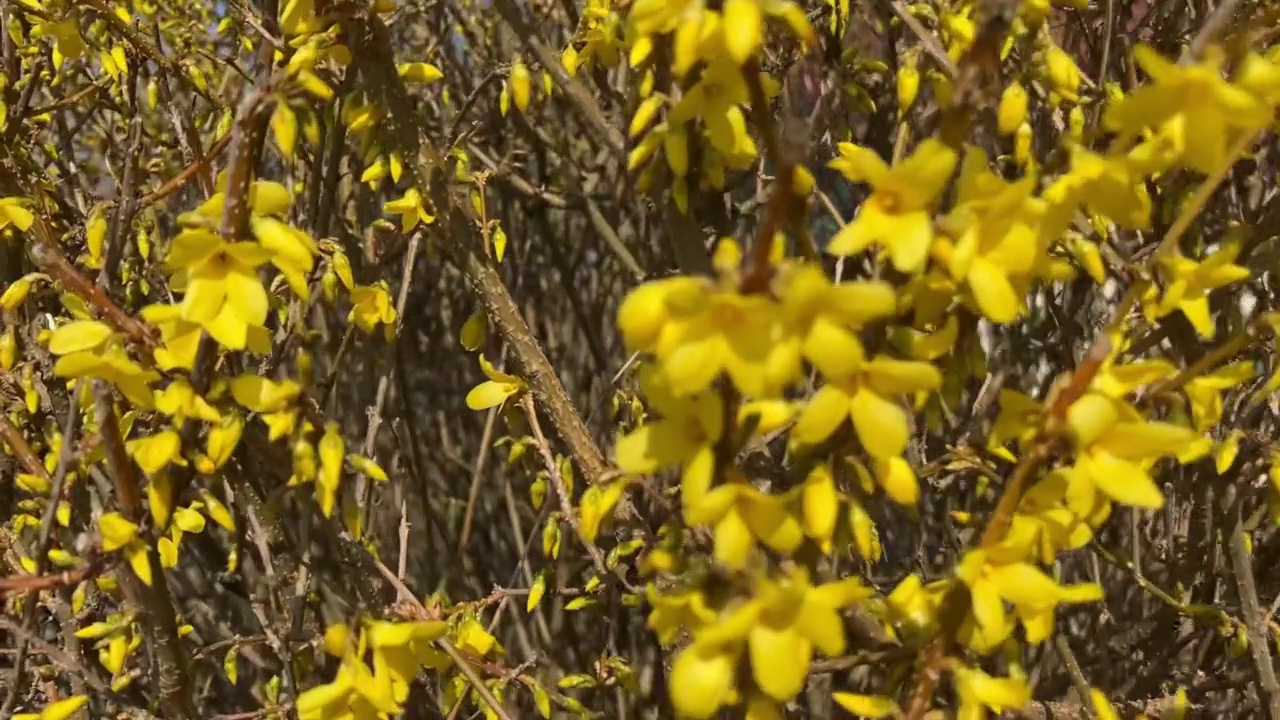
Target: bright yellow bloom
[371,306]
[717,98]
[1116,447]
[1189,283]
[992,582]
[827,317]
[778,629]
[898,213]
[13,212]
[495,390]
[412,209]
[697,332]
[869,397]
[1194,102]
[997,237]
[684,437]
[220,281]
[979,692]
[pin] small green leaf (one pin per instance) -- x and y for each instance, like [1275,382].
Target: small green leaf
[576,680]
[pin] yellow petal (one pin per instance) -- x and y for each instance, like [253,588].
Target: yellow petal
[779,660]
[743,28]
[490,394]
[419,72]
[820,417]
[64,709]
[820,503]
[868,706]
[78,335]
[733,541]
[117,532]
[140,561]
[701,682]
[168,552]
[898,480]
[881,423]
[1143,440]
[993,292]
[833,350]
[1123,481]
[1023,584]
[156,452]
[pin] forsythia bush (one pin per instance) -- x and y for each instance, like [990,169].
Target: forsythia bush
[887,359]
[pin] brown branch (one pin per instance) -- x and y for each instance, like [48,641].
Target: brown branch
[460,245]
[10,435]
[92,568]
[956,602]
[193,170]
[46,254]
[113,251]
[561,489]
[158,616]
[1251,610]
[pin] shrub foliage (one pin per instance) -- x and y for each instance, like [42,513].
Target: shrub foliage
[662,358]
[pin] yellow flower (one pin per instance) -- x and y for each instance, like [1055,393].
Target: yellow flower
[867,397]
[1199,106]
[741,515]
[222,291]
[400,650]
[411,208]
[1189,283]
[675,612]
[997,229]
[717,98]
[743,22]
[13,211]
[1116,446]
[1034,595]
[61,710]
[419,72]
[828,316]
[180,402]
[371,306]
[684,437]
[600,31]
[897,214]
[779,629]
[697,332]
[1205,392]
[520,85]
[1113,187]
[494,391]
[1043,525]
[89,349]
[913,606]
[795,619]
[1063,75]
[68,45]
[702,680]
[119,534]
[979,692]
[355,693]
